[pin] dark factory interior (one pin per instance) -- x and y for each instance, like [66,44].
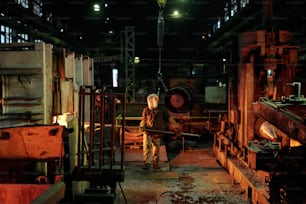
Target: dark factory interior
[78,75]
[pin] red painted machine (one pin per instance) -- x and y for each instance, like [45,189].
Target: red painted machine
[31,164]
[264,131]
[38,88]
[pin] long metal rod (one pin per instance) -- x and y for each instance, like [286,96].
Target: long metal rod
[113,130]
[91,132]
[172,132]
[80,128]
[101,135]
[122,98]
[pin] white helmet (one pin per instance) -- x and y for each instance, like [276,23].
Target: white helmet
[152,101]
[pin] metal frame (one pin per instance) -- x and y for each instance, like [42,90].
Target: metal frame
[129,55]
[100,152]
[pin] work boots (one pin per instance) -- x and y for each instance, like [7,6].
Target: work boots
[146,166]
[156,166]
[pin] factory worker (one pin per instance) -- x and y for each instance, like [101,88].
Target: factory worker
[157,118]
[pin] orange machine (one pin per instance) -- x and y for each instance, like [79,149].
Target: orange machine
[30,163]
[262,142]
[39,88]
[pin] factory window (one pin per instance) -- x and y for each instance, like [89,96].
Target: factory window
[234,7]
[231,7]
[22,38]
[243,3]
[219,23]
[24,3]
[226,12]
[37,40]
[115,77]
[6,34]
[37,7]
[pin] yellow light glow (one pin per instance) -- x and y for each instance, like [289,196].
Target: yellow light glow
[136,60]
[96,7]
[176,13]
[161,3]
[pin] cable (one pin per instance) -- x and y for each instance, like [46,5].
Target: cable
[160,195]
[160,36]
[125,200]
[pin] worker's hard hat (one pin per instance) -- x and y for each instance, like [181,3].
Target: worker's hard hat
[152,100]
[153,95]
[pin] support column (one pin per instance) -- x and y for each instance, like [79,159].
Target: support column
[129,55]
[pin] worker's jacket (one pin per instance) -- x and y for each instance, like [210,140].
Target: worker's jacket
[155,119]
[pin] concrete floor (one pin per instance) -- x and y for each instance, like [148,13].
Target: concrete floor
[192,176]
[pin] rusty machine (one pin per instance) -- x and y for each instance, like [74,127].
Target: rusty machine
[263,136]
[55,146]
[100,148]
[31,146]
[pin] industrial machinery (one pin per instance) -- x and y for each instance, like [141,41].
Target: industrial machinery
[31,146]
[38,121]
[100,151]
[262,138]
[24,154]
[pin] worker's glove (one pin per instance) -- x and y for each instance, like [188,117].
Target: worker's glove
[143,128]
[178,132]
[174,138]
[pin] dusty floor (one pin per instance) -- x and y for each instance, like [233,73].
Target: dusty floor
[192,176]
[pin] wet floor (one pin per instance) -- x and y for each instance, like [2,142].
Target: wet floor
[192,176]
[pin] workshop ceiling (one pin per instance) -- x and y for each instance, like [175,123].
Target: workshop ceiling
[100,32]
[74,25]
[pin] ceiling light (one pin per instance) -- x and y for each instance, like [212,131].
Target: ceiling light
[96,7]
[136,60]
[176,14]
[161,3]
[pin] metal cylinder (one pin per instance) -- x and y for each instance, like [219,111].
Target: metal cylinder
[179,99]
[266,130]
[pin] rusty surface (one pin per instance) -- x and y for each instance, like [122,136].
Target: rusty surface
[193,176]
[31,142]
[100,152]
[288,121]
[21,193]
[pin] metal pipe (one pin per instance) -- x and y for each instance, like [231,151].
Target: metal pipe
[267,14]
[298,89]
[92,127]
[113,130]
[266,130]
[102,129]
[172,132]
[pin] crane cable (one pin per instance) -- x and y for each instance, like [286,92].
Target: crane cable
[160,35]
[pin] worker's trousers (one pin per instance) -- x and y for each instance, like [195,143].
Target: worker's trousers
[151,146]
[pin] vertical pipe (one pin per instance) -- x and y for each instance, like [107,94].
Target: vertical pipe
[122,98]
[79,130]
[241,98]
[298,90]
[267,14]
[101,135]
[113,130]
[249,114]
[91,128]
